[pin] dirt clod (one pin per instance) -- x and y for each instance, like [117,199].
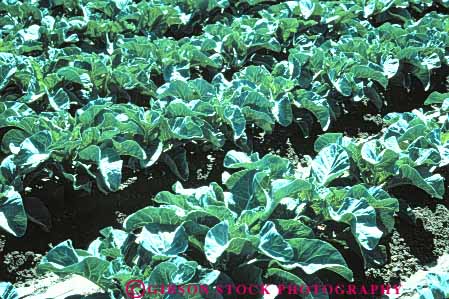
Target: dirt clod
[413,248]
[22,264]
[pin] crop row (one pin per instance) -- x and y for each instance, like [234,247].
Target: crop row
[90,136]
[271,221]
[349,56]
[78,22]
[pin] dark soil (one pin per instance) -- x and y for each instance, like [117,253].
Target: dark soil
[418,239]
[406,99]
[411,248]
[285,142]
[2,242]
[22,264]
[437,223]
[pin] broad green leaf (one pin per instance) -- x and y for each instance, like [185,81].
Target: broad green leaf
[436,98]
[235,159]
[64,259]
[130,148]
[282,188]
[162,274]
[432,184]
[317,105]
[327,139]
[235,117]
[34,150]
[282,111]
[163,240]
[361,71]
[330,163]
[6,72]
[341,84]
[185,128]
[13,218]
[150,215]
[307,8]
[185,271]
[390,67]
[264,120]
[176,160]
[59,100]
[362,219]
[385,205]
[12,139]
[292,228]
[152,154]
[312,255]
[7,291]
[273,244]
[242,246]
[373,152]
[217,241]
[110,168]
[285,278]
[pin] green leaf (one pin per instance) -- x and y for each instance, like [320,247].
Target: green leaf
[341,84]
[432,184]
[33,151]
[109,166]
[362,219]
[379,199]
[390,67]
[235,159]
[176,160]
[373,153]
[282,110]
[161,274]
[282,277]
[361,71]
[217,241]
[64,259]
[163,240]
[436,98]
[312,255]
[307,8]
[327,139]
[282,188]
[330,163]
[150,215]
[7,291]
[59,100]
[273,244]
[6,73]
[292,228]
[12,140]
[185,128]
[152,153]
[13,218]
[130,148]
[235,117]
[316,104]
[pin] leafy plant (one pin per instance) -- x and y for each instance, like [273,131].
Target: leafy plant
[7,291]
[213,223]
